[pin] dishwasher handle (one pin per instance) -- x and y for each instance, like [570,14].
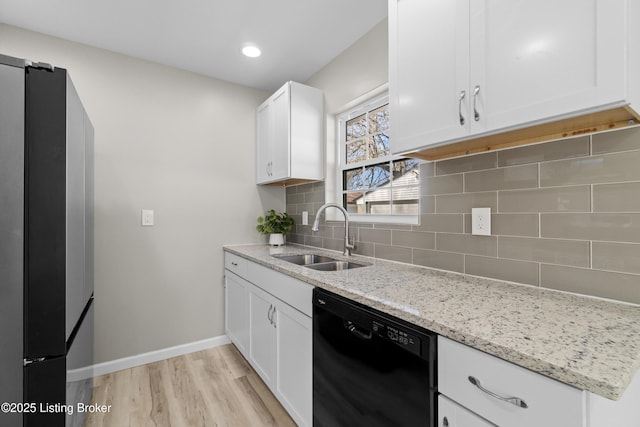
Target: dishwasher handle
[354,330]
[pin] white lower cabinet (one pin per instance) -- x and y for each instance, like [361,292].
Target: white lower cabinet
[268,318]
[504,393]
[295,369]
[500,393]
[262,333]
[236,314]
[277,338]
[450,414]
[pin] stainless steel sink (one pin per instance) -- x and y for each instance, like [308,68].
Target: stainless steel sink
[335,266]
[319,262]
[305,259]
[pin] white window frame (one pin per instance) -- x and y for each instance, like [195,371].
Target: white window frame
[354,109]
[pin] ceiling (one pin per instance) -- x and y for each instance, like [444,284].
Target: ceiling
[297,37]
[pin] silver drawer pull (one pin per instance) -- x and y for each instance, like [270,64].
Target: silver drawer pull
[513,400]
[235,264]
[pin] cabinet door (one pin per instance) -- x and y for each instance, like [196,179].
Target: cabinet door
[236,311]
[545,59]
[264,141]
[294,370]
[429,62]
[262,334]
[450,414]
[280,105]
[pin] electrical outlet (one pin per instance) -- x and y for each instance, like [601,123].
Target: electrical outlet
[147,218]
[305,218]
[481,221]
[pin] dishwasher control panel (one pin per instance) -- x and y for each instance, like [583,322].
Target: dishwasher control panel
[397,335]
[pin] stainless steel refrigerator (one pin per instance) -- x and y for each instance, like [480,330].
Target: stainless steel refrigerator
[46,247]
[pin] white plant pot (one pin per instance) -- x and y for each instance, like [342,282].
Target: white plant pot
[276,239]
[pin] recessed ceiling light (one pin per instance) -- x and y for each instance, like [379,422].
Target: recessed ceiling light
[251,51]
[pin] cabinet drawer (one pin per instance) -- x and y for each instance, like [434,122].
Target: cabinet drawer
[236,264]
[450,414]
[294,292]
[548,402]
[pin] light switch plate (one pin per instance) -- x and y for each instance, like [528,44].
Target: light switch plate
[305,218]
[147,218]
[481,221]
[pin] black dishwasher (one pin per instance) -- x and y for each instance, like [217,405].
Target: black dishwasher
[369,368]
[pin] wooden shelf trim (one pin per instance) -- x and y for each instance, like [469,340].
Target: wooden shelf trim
[615,118]
[290,182]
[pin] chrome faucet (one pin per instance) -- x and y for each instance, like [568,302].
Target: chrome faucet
[348,245]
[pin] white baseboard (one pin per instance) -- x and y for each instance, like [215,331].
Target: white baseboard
[157,355]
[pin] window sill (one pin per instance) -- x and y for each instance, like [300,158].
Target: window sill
[385,219]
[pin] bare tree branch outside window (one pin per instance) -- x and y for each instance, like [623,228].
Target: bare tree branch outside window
[373,180]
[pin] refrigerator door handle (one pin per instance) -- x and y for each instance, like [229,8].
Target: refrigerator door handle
[42,65]
[27,362]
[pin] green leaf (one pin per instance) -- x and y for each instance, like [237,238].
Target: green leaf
[275,223]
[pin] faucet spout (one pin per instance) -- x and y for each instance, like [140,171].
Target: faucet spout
[348,244]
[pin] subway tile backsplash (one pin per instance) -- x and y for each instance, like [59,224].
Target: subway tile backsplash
[604,168]
[555,199]
[565,215]
[617,227]
[524,176]
[622,197]
[539,153]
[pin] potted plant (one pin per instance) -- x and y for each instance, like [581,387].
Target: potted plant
[277,225]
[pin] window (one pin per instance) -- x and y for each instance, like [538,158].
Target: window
[371,181]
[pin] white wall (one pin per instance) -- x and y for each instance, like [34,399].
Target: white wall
[360,68]
[183,145]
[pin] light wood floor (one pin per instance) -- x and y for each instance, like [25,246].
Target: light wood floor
[214,387]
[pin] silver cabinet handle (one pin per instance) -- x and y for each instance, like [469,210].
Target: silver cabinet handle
[513,400]
[270,315]
[445,422]
[476,91]
[460,99]
[235,264]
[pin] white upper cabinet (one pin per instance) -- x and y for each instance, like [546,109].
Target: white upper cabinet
[290,147]
[429,62]
[540,59]
[264,141]
[462,69]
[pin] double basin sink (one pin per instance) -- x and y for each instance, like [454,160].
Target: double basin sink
[319,262]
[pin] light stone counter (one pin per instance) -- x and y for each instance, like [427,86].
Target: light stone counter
[588,343]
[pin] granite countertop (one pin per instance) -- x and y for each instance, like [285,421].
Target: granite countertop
[585,342]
